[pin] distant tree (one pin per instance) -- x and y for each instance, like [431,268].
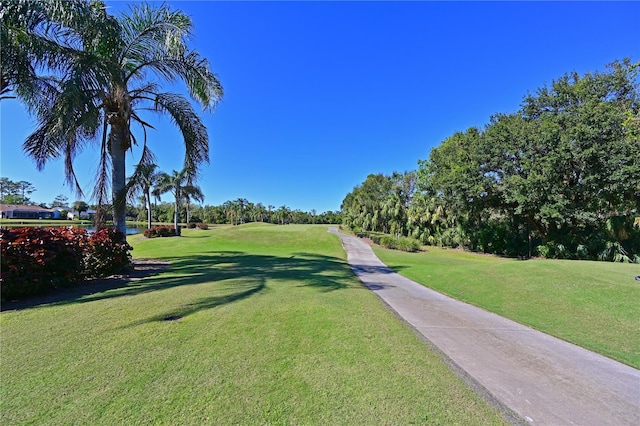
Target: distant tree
[80,206]
[179,185]
[25,188]
[260,212]
[191,192]
[60,201]
[270,212]
[15,192]
[142,182]
[283,214]
[7,187]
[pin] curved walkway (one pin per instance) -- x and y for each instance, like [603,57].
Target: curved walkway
[543,379]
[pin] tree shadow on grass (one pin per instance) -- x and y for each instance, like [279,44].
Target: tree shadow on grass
[141,268]
[323,273]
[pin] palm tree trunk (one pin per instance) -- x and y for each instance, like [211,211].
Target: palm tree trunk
[117,152]
[175,218]
[148,200]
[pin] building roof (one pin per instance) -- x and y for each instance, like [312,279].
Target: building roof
[23,207]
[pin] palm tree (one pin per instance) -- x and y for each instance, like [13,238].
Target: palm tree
[142,181]
[179,185]
[189,192]
[105,72]
[283,214]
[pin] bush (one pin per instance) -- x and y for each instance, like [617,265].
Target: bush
[388,241]
[36,260]
[159,231]
[191,225]
[107,253]
[202,225]
[408,244]
[39,260]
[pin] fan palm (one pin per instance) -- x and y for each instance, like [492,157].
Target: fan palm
[104,73]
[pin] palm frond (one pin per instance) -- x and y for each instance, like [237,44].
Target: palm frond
[145,27]
[196,139]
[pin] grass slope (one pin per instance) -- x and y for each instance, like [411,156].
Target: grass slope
[250,325]
[592,304]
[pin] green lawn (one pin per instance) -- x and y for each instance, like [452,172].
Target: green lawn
[250,325]
[595,305]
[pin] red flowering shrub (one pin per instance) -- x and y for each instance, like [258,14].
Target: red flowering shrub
[107,252]
[159,231]
[39,260]
[202,225]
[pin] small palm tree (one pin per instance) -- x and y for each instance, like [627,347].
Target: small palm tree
[192,192]
[179,184]
[142,181]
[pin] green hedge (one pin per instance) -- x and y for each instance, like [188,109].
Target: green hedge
[385,240]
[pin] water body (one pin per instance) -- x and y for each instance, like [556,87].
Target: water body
[130,231]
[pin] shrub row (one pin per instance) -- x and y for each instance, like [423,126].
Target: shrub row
[159,231]
[385,240]
[39,260]
[199,225]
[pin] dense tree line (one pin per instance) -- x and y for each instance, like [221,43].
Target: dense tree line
[558,178]
[235,212]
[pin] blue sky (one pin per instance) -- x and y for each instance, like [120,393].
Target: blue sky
[320,94]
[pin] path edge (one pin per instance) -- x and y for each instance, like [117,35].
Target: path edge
[507,413]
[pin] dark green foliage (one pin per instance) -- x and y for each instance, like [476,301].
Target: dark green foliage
[40,260]
[560,177]
[407,244]
[388,241]
[380,204]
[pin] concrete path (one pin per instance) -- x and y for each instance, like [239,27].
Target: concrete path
[545,380]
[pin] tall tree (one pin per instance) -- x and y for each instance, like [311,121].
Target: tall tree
[107,71]
[192,192]
[563,171]
[25,188]
[61,201]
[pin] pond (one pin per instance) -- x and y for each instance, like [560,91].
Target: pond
[130,230]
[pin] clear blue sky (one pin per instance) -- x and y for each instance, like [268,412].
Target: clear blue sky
[321,94]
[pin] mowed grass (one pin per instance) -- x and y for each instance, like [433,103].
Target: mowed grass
[250,325]
[595,305]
